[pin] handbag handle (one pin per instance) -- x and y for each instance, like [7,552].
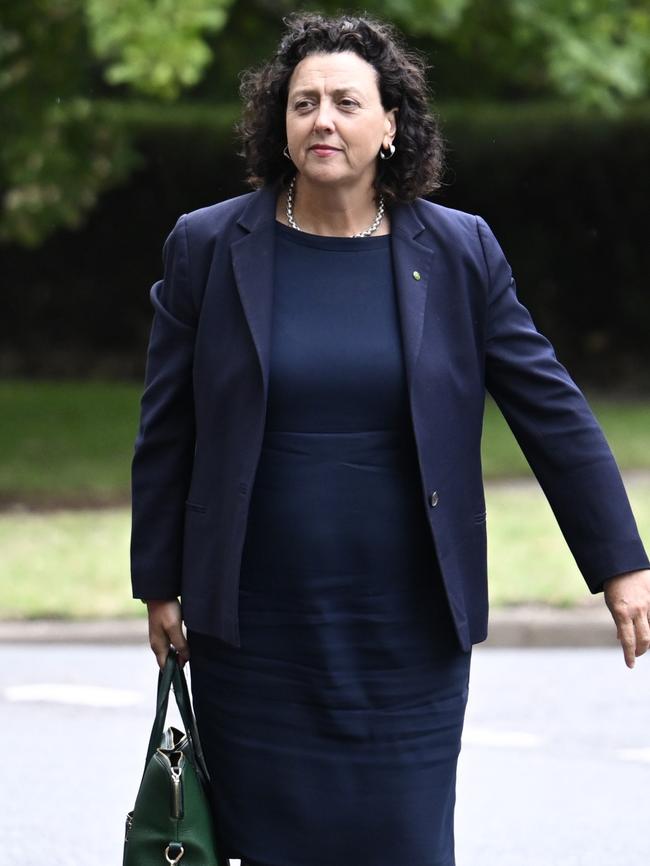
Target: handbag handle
[172,675]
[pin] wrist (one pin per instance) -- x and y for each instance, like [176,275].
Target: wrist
[159,600]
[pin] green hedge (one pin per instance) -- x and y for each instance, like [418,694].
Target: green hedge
[565,192]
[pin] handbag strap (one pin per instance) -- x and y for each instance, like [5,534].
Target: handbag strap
[184,703]
[172,674]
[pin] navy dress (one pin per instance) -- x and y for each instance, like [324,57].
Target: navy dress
[332,734]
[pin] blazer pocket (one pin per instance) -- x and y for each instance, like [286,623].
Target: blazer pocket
[195,506]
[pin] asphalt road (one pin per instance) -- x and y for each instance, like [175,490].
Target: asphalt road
[554,769]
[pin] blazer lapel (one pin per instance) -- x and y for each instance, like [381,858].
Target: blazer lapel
[253,259]
[413,268]
[253,264]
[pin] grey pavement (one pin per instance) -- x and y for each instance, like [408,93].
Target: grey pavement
[554,768]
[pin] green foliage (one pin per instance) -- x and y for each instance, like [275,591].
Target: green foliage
[57,57]
[155,46]
[56,170]
[59,152]
[547,178]
[596,52]
[57,155]
[424,17]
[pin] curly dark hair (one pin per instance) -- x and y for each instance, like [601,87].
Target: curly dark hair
[415,169]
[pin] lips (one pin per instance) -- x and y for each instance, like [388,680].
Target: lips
[324,148]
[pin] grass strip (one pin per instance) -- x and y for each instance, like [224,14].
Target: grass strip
[71,442]
[75,563]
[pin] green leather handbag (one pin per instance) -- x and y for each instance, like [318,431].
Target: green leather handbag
[172,820]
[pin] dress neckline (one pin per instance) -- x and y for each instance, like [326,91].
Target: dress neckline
[331,242]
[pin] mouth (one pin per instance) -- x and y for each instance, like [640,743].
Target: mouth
[323,148]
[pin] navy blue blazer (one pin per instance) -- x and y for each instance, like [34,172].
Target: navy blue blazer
[464,332]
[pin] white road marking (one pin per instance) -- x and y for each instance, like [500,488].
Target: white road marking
[69,693]
[490,737]
[642,755]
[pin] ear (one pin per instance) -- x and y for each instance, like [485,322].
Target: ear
[391,121]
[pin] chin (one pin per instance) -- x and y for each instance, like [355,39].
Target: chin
[324,175]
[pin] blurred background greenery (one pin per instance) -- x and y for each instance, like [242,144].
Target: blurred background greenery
[117,117]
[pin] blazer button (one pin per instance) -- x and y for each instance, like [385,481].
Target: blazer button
[433,499]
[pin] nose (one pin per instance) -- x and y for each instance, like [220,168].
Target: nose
[324,117]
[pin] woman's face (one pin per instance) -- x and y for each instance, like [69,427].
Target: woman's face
[334,100]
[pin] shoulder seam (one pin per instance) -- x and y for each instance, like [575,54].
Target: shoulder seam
[197,309]
[478,220]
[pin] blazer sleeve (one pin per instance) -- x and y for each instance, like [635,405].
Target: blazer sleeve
[164,446]
[557,431]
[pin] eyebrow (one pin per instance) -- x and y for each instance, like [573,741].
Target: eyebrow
[309,91]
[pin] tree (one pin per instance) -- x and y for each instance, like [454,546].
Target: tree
[59,150]
[594,52]
[58,58]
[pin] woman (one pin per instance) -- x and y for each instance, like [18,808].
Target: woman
[307,470]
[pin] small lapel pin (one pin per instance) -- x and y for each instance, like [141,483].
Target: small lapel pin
[416,275]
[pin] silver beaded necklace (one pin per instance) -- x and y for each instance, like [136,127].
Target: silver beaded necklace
[372,228]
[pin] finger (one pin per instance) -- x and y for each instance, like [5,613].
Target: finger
[178,639]
[642,629]
[159,643]
[161,652]
[627,636]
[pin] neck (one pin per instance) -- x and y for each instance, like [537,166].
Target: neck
[320,208]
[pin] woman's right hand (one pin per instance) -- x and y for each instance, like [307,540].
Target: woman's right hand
[165,628]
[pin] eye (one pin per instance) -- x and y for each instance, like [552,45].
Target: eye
[301,104]
[350,102]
